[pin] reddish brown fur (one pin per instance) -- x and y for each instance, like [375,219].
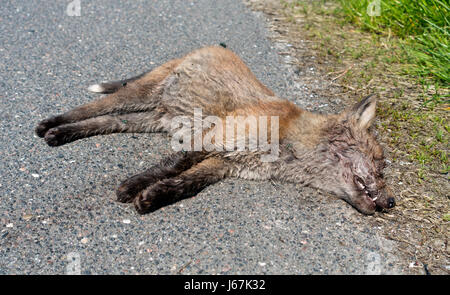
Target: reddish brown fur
[336,153]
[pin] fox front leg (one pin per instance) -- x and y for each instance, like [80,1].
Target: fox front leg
[186,184]
[168,167]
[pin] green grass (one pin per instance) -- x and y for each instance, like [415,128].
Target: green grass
[414,116]
[376,54]
[422,25]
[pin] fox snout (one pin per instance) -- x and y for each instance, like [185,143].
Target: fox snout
[369,203]
[386,201]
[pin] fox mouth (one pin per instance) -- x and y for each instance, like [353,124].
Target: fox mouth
[370,197]
[367,202]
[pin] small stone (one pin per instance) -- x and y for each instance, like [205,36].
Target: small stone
[35,175]
[413,264]
[84,240]
[262,263]
[126,221]
[27,217]
[10,225]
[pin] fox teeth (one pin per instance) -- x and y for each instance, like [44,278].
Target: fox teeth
[367,193]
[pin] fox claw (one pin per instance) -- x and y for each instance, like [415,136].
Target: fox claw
[145,202]
[125,194]
[51,137]
[56,137]
[43,127]
[46,125]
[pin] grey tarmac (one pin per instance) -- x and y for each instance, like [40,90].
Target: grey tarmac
[58,212]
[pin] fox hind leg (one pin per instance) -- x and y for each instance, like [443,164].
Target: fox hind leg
[125,100]
[102,125]
[138,95]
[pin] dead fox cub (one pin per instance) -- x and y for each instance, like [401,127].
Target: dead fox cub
[336,153]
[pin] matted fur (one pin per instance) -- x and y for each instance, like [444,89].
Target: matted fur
[336,153]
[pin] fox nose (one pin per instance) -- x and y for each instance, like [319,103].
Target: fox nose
[391,202]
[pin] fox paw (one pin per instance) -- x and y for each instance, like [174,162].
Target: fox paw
[56,137]
[145,202]
[126,193]
[45,125]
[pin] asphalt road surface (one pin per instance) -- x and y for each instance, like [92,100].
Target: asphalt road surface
[58,212]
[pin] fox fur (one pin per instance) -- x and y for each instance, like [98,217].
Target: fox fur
[336,153]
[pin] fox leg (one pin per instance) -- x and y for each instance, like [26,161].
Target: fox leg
[129,99]
[168,167]
[136,96]
[101,125]
[170,190]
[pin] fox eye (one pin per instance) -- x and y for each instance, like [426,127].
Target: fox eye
[359,182]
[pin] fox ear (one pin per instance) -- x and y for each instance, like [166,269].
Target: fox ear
[363,113]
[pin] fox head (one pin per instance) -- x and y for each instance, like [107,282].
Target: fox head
[355,161]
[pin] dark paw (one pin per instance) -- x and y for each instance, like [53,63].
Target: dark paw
[46,125]
[56,137]
[126,193]
[145,202]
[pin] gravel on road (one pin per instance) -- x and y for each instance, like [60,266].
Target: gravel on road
[57,205]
